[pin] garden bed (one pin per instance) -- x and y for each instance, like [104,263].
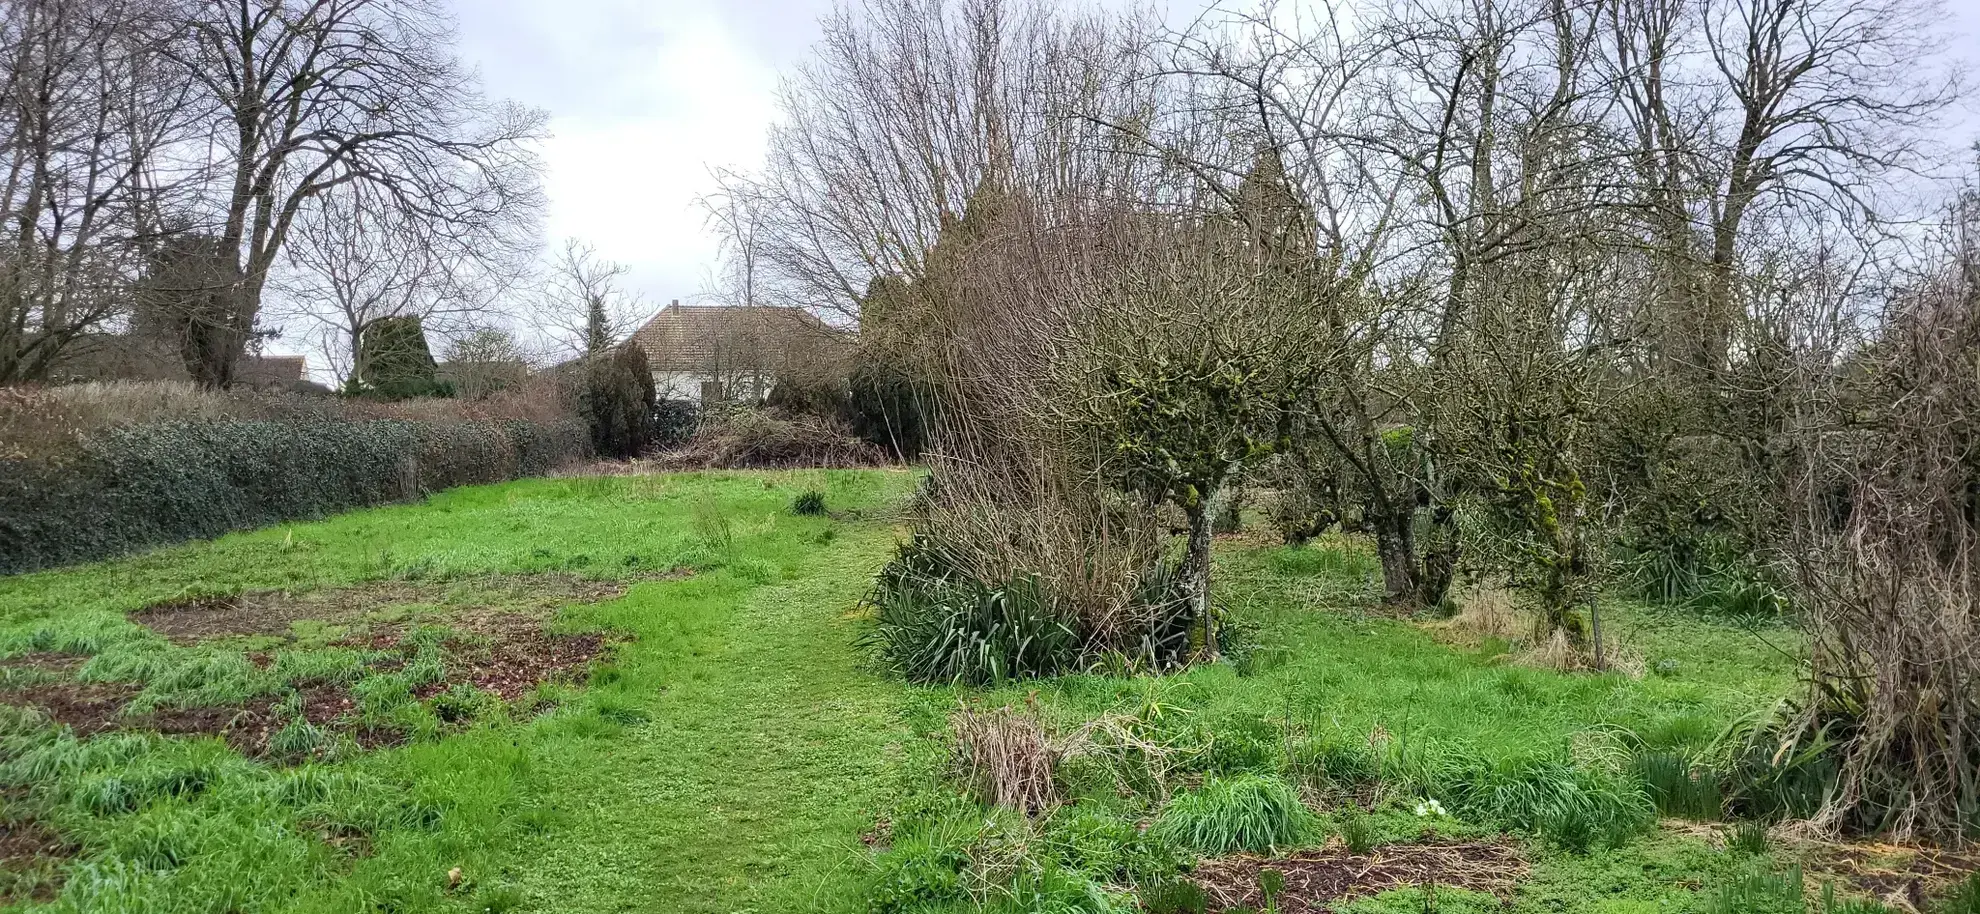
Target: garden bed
[1318,880]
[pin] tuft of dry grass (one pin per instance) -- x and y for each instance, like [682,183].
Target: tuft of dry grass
[1008,757]
[1564,656]
[1484,613]
[1489,613]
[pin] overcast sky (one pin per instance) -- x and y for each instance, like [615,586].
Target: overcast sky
[646,95]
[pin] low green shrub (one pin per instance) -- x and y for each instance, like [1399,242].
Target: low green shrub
[1677,787]
[1747,838]
[923,867]
[964,632]
[1572,806]
[1762,892]
[1425,899]
[1108,846]
[1333,764]
[809,504]
[1175,896]
[1357,832]
[1249,812]
[1964,899]
[934,622]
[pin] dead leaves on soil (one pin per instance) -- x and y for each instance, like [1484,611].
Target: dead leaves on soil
[1318,880]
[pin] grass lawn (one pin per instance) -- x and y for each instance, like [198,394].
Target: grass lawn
[308,723]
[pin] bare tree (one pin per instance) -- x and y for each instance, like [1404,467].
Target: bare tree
[88,107]
[1739,110]
[585,308]
[908,107]
[356,257]
[312,95]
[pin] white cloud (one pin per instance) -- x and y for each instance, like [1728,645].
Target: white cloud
[627,178]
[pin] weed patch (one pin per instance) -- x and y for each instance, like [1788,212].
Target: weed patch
[197,619]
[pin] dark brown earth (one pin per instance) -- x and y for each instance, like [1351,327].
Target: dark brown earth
[85,707]
[29,858]
[503,650]
[89,708]
[1318,880]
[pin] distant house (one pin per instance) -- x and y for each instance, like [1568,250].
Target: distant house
[736,353]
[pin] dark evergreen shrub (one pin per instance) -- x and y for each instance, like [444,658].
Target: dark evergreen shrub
[803,394]
[395,363]
[137,486]
[888,409]
[618,401]
[674,422]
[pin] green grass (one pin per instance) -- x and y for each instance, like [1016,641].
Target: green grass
[741,754]
[727,760]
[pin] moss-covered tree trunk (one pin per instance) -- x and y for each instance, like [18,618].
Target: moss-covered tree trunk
[1196,573]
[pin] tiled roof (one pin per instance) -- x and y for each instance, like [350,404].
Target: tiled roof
[712,339]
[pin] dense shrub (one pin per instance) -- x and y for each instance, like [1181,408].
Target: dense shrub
[809,504]
[888,410]
[395,362]
[674,422]
[809,394]
[948,630]
[938,620]
[766,439]
[618,401]
[132,486]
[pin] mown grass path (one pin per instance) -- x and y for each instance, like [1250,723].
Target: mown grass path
[765,752]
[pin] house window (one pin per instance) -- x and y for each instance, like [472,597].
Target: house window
[711,391]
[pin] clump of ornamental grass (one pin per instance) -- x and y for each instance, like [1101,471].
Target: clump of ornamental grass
[1249,812]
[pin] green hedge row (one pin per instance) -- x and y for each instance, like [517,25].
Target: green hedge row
[145,485]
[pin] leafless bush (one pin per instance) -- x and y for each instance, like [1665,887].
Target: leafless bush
[1008,757]
[1889,558]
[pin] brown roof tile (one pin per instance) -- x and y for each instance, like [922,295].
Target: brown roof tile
[714,339]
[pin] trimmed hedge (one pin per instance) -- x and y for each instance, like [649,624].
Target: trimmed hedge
[137,486]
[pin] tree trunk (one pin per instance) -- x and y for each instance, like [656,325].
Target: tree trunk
[1395,543]
[1196,574]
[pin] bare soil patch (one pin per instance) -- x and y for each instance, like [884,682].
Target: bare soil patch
[1318,880]
[274,612]
[45,662]
[518,658]
[30,859]
[500,653]
[85,707]
[503,654]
